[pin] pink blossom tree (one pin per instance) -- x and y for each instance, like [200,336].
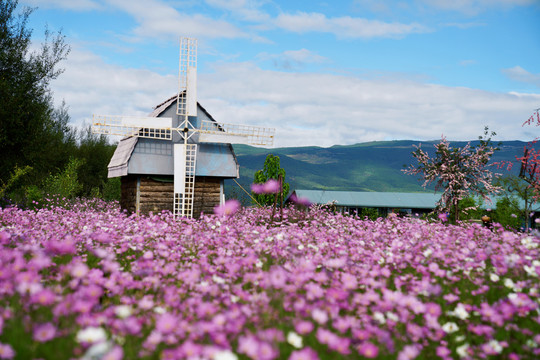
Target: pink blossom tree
[461,172]
[530,161]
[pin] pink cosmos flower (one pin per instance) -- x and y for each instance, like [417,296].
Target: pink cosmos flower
[257,188]
[166,323]
[303,327]
[272,186]
[79,269]
[116,353]
[368,350]
[443,217]
[409,352]
[44,297]
[6,351]
[300,200]
[44,332]
[306,353]
[229,208]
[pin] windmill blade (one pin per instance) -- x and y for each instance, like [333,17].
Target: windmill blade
[187,94]
[211,131]
[146,127]
[185,156]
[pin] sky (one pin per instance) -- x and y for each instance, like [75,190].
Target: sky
[321,73]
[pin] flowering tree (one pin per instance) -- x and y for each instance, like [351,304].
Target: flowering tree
[459,171]
[530,161]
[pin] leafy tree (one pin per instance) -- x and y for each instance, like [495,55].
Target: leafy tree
[517,188]
[507,212]
[96,152]
[271,170]
[31,131]
[459,171]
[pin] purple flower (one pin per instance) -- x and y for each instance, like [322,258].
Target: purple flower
[306,353]
[270,187]
[6,351]
[303,327]
[300,200]
[409,352]
[257,188]
[166,323]
[44,332]
[443,217]
[368,350]
[116,353]
[229,208]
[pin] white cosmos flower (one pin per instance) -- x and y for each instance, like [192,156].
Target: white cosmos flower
[450,327]
[294,339]
[97,351]
[379,316]
[91,335]
[123,311]
[462,350]
[509,283]
[496,346]
[494,277]
[460,312]
[224,355]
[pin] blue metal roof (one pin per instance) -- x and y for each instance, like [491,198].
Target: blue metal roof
[392,200]
[372,199]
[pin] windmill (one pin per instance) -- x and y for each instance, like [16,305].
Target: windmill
[185,131]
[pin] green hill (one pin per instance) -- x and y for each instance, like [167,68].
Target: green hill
[372,166]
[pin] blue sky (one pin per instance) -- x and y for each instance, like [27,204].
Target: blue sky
[320,72]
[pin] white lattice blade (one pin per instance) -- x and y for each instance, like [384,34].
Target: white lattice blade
[187,78]
[224,138]
[179,168]
[147,127]
[191,91]
[133,121]
[211,131]
[185,156]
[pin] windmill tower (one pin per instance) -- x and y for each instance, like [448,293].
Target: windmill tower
[185,131]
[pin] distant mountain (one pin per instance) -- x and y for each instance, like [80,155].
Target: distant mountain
[372,166]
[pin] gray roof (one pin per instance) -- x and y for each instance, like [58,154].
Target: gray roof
[372,199]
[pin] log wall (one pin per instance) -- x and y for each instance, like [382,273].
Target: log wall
[156,196]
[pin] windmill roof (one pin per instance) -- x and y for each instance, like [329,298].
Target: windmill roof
[135,155]
[160,108]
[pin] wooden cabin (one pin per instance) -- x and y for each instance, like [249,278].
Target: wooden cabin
[146,168]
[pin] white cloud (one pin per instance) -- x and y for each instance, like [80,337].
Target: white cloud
[77,5]
[472,7]
[517,73]
[91,86]
[319,109]
[345,26]
[305,108]
[157,19]
[247,10]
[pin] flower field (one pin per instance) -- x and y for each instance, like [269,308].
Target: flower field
[91,282]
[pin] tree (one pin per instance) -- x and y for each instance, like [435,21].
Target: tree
[459,171]
[271,170]
[96,152]
[31,132]
[530,161]
[515,188]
